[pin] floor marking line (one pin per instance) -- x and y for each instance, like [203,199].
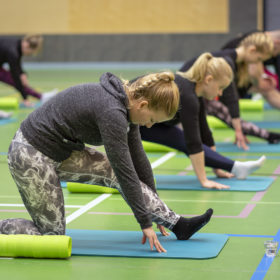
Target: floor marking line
[250,235]
[163,159]
[86,207]
[22,205]
[246,211]
[215,201]
[184,215]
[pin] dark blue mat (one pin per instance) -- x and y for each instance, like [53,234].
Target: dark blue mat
[188,182]
[262,148]
[128,244]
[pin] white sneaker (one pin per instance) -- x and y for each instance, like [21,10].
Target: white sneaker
[48,95]
[5,115]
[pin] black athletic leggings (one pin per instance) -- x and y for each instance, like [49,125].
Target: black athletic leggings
[173,137]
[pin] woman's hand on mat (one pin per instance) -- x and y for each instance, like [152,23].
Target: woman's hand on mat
[162,230]
[213,185]
[222,174]
[153,240]
[241,140]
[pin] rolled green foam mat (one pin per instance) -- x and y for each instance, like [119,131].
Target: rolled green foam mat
[251,105]
[9,103]
[35,246]
[214,122]
[86,188]
[150,147]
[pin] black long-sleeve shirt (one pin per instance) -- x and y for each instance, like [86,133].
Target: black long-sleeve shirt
[10,52]
[230,95]
[192,115]
[95,114]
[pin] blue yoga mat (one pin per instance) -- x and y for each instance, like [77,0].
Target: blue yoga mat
[128,244]
[267,124]
[6,121]
[176,182]
[263,148]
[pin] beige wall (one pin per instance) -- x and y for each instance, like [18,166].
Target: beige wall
[114,16]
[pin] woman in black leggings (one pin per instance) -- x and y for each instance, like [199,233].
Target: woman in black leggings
[207,78]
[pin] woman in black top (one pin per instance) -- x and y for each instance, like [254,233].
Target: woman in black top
[11,52]
[207,78]
[256,47]
[50,146]
[263,80]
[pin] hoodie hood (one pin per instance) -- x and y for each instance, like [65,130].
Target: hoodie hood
[114,86]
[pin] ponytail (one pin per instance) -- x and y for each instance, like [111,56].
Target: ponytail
[263,44]
[206,64]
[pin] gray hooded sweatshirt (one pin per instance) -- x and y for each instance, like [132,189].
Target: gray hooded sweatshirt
[95,114]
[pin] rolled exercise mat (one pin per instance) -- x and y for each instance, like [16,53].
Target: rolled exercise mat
[35,246]
[9,103]
[214,122]
[85,188]
[74,187]
[251,105]
[150,147]
[127,244]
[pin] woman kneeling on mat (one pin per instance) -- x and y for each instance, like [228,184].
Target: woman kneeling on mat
[49,147]
[207,78]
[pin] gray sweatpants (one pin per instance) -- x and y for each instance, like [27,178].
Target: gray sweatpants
[38,180]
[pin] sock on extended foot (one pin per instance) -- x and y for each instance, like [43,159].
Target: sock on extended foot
[243,169]
[5,115]
[185,228]
[273,138]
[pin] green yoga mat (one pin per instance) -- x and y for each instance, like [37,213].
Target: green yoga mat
[35,246]
[128,244]
[9,103]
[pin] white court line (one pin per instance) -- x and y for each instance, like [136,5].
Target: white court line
[162,159]
[22,205]
[85,208]
[169,200]
[102,197]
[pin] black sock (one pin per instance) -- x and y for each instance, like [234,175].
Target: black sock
[185,228]
[273,138]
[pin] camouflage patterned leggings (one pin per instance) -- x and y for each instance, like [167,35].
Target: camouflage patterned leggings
[38,180]
[219,110]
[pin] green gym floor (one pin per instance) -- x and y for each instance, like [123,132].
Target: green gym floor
[241,258]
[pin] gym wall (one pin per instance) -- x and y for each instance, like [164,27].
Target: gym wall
[128,30]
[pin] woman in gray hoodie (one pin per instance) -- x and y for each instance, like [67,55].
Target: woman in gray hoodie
[50,146]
